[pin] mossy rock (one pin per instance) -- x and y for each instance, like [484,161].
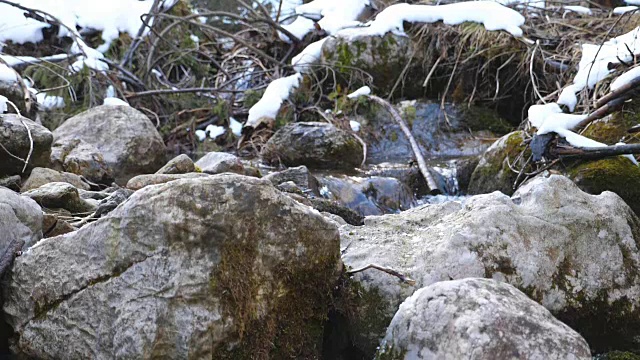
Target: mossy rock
[617,174]
[493,172]
[479,118]
[366,314]
[374,60]
[617,355]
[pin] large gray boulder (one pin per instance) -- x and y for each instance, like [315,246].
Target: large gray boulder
[314,144]
[125,137]
[221,267]
[478,319]
[20,219]
[15,141]
[574,253]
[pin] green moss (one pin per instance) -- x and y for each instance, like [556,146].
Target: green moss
[366,314]
[493,172]
[290,325]
[617,355]
[478,118]
[251,97]
[617,174]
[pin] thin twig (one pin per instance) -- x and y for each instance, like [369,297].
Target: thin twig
[404,278]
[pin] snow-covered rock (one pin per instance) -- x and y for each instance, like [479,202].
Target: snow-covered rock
[574,253]
[221,267]
[127,139]
[478,319]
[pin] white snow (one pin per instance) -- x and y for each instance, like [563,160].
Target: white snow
[201,135]
[355,126]
[3,104]
[115,101]
[594,63]
[7,75]
[300,27]
[489,13]
[632,2]
[272,99]
[215,131]
[624,9]
[235,126]
[625,78]
[49,102]
[578,9]
[303,61]
[363,91]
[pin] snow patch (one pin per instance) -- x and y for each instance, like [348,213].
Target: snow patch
[363,91]
[115,101]
[274,95]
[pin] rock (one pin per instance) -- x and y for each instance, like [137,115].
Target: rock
[314,144]
[54,226]
[478,319]
[11,182]
[460,133]
[14,137]
[125,137]
[572,252]
[300,175]
[42,176]
[368,196]
[141,181]
[81,158]
[611,174]
[20,219]
[383,57]
[492,172]
[180,164]
[290,187]
[219,162]
[60,195]
[16,94]
[221,267]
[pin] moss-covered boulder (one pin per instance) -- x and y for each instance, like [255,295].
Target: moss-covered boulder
[617,174]
[374,60]
[574,253]
[315,145]
[493,172]
[222,267]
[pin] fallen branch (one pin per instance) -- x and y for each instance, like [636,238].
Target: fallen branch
[631,85]
[434,189]
[405,279]
[596,152]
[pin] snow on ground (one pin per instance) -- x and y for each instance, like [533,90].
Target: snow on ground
[7,75]
[115,101]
